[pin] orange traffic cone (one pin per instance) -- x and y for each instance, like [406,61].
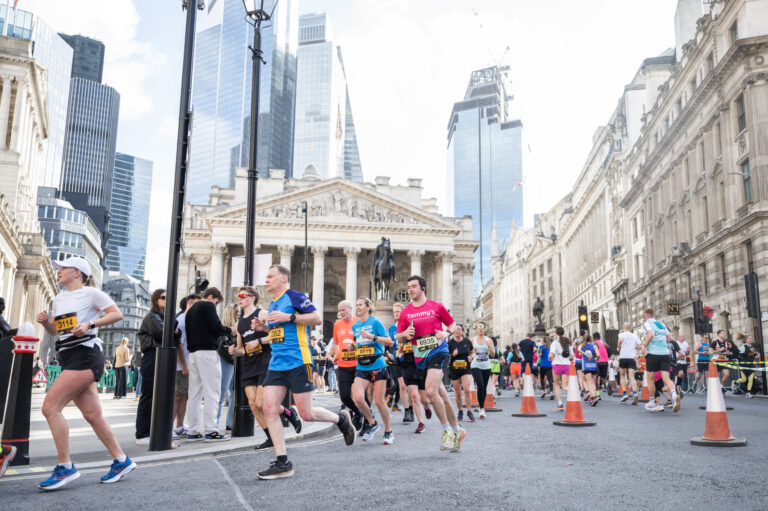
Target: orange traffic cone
[474,397]
[622,389]
[717,433]
[574,416]
[490,403]
[528,406]
[644,395]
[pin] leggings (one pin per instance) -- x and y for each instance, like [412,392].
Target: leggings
[345,377]
[747,376]
[546,372]
[481,377]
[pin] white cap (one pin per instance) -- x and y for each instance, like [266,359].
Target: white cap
[77,263]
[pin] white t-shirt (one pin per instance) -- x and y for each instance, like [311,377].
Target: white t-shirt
[684,347]
[629,342]
[87,303]
[182,326]
[557,349]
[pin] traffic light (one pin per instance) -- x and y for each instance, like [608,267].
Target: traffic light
[701,322]
[583,318]
[201,284]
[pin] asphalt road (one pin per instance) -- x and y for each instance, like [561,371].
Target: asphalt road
[632,459]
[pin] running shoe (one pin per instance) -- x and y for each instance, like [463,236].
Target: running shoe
[396,408]
[182,431]
[9,452]
[428,412]
[266,444]
[420,428]
[370,431]
[624,398]
[749,395]
[460,416]
[594,401]
[559,407]
[653,407]
[517,393]
[447,443]
[669,404]
[276,470]
[457,438]
[142,441]
[408,416]
[358,421]
[635,398]
[216,437]
[59,478]
[498,391]
[194,438]
[470,416]
[294,418]
[346,427]
[676,398]
[551,396]
[544,395]
[388,400]
[389,438]
[482,413]
[118,470]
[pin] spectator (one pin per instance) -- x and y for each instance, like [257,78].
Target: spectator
[203,331]
[136,366]
[182,367]
[229,319]
[122,361]
[150,337]
[5,328]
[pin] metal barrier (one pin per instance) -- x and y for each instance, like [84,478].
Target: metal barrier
[52,372]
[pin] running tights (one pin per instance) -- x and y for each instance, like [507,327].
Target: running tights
[481,377]
[546,372]
[749,377]
[345,378]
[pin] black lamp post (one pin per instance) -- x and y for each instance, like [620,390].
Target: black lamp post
[165,361]
[305,265]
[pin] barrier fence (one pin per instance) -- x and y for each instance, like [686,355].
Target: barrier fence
[107,381]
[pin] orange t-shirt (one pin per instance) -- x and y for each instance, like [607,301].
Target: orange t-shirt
[345,342]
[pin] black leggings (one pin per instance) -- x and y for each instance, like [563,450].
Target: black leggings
[546,372]
[481,377]
[345,377]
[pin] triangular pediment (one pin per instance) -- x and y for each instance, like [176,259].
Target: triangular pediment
[337,200]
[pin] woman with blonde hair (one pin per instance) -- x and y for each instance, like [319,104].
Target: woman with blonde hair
[228,319]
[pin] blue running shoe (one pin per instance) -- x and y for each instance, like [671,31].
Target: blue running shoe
[59,478]
[118,470]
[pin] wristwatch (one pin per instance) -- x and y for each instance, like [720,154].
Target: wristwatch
[91,325]
[293,318]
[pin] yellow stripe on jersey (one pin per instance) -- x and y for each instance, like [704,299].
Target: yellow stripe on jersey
[301,333]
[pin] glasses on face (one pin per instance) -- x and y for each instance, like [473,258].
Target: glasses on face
[480,327]
[243,295]
[162,297]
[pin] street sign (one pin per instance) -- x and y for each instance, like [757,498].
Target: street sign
[594,317]
[673,309]
[764,316]
[40,377]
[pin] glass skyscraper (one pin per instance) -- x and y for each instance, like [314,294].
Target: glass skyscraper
[88,60]
[131,189]
[324,130]
[221,94]
[485,168]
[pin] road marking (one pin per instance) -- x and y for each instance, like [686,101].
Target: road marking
[232,483]
[75,432]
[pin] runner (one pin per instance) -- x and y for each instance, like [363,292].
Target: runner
[481,365]
[681,382]
[413,383]
[257,352]
[397,367]
[461,375]
[720,354]
[629,343]
[515,360]
[602,363]
[545,369]
[290,367]
[589,356]
[657,359]
[750,358]
[577,361]
[421,323]
[561,354]
[702,362]
[75,316]
[495,368]
[343,354]
[371,338]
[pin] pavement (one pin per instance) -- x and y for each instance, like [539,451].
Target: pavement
[632,459]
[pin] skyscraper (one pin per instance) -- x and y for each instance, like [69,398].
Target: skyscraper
[485,170]
[221,94]
[89,57]
[324,134]
[129,223]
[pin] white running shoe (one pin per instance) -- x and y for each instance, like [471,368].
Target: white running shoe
[482,413]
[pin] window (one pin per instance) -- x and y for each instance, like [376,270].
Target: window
[704,214]
[689,226]
[710,62]
[533,275]
[634,229]
[748,257]
[703,278]
[734,32]
[722,268]
[687,283]
[549,266]
[679,105]
[745,172]
[702,156]
[686,173]
[741,115]
[694,85]
[721,199]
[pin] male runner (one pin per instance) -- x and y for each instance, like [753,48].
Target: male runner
[420,325]
[628,346]
[397,368]
[657,360]
[343,354]
[289,318]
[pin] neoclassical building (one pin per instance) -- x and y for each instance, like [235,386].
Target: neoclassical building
[345,224]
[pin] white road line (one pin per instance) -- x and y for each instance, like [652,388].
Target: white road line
[75,432]
[232,483]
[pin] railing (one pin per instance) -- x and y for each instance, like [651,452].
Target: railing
[107,381]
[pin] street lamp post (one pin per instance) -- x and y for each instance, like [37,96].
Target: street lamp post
[165,362]
[305,266]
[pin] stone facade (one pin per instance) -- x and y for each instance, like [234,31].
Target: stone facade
[132,297]
[346,222]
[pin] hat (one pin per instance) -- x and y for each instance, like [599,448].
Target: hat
[77,263]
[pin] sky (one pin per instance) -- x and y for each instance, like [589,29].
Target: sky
[407,62]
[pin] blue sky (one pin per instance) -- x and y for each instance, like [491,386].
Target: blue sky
[406,62]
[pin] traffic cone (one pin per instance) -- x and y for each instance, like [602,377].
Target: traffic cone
[528,405]
[490,403]
[717,433]
[574,416]
[474,397]
[644,395]
[623,389]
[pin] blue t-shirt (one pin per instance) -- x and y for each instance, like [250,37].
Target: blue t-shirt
[544,360]
[703,352]
[658,345]
[372,326]
[290,342]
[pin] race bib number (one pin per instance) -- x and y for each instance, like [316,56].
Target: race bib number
[65,323]
[408,348]
[348,355]
[365,351]
[481,357]
[459,364]
[256,350]
[427,343]
[277,335]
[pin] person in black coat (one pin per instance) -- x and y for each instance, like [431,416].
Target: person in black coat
[150,337]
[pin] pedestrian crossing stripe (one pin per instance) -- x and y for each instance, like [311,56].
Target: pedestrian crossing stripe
[40,377]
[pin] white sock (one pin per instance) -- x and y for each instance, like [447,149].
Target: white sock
[447,427]
[456,429]
[67,465]
[121,459]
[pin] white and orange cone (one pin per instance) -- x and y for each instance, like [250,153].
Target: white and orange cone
[528,405]
[574,416]
[717,433]
[645,394]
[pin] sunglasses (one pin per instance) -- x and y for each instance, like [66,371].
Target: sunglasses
[162,297]
[243,295]
[480,327]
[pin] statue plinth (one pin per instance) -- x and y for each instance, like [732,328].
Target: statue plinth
[540,331]
[383,312]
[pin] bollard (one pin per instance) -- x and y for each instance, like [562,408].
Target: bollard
[19,402]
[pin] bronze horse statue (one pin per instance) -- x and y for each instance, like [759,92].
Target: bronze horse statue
[383,269]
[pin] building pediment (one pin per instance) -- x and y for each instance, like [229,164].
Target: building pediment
[338,202]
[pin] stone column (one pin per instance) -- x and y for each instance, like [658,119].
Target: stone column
[318,277]
[446,258]
[416,256]
[216,265]
[5,107]
[286,252]
[18,112]
[351,288]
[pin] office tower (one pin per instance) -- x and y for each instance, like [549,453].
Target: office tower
[221,94]
[484,161]
[324,134]
[88,60]
[129,222]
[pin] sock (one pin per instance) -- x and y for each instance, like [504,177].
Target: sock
[121,459]
[67,465]
[283,458]
[456,429]
[410,408]
[447,427]
[266,432]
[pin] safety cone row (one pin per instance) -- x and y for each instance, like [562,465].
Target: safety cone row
[528,405]
[574,416]
[717,433]
[645,395]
